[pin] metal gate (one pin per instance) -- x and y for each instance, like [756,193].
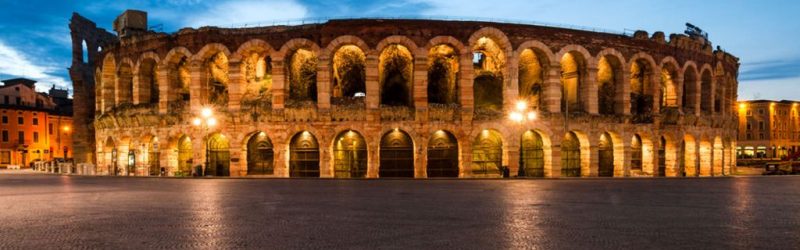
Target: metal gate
[442,155]
[304,156]
[606,157]
[487,155]
[532,155]
[570,156]
[260,156]
[185,157]
[350,156]
[397,155]
[219,156]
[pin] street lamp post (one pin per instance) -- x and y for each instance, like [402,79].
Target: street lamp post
[522,115]
[205,121]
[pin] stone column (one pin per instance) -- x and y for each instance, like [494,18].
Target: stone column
[655,86]
[466,80]
[421,159]
[278,85]
[554,170]
[237,165]
[324,87]
[589,167]
[626,154]
[197,87]
[511,155]
[678,81]
[325,156]
[373,88]
[236,86]
[588,92]
[164,98]
[622,95]
[552,90]
[465,161]
[420,88]
[511,85]
[697,97]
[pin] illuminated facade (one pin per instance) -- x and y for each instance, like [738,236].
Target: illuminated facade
[33,126]
[768,129]
[403,98]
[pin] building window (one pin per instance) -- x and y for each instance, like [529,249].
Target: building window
[35,137]
[749,136]
[748,126]
[21,137]
[5,157]
[760,125]
[5,119]
[5,135]
[50,128]
[20,121]
[35,121]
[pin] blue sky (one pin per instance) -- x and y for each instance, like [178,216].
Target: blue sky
[35,42]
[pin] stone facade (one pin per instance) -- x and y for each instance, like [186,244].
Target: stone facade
[768,129]
[412,98]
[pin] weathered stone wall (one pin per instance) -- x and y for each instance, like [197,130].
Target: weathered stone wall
[709,136]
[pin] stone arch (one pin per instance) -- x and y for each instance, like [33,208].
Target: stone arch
[176,68]
[396,73]
[108,82]
[611,155]
[535,154]
[98,90]
[397,40]
[145,88]
[255,56]
[643,86]
[691,88]
[396,154]
[110,155]
[300,57]
[344,40]
[349,155]
[210,50]
[444,71]
[180,149]
[260,154]
[213,74]
[491,61]
[487,154]
[348,74]
[304,155]
[611,88]
[706,89]
[722,103]
[448,40]
[257,46]
[219,155]
[495,34]
[670,77]
[534,61]
[574,61]
[443,155]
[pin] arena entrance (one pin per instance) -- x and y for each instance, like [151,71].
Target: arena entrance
[304,155]
[397,155]
[184,156]
[260,155]
[349,155]
[442,155]
[606,156]
[531,155]
[219,156]
[570,156]
[487,154]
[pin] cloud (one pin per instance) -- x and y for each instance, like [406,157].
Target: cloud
[17,64]
[770,70]
[242,12]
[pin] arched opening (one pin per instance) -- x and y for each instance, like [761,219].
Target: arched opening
[487,154]
[689,90]
[216,79]
[304,155]
[572,68]
[219,156]
[396,69]
[397,155]
[84,52]
[531,77]
[442,155]
[605,156]
[662,157]
[641,89]
[706,101]
[184,156]
[302,77]
[153,157]
[124,84]
[609,78]
[531,155]
[148,87]
[669,92]
[110,150]
[636,153]
[257,71]
[488,63]
[349,155]
[443,70]
[349,76]
[179,80]
[570,156]
[260,155]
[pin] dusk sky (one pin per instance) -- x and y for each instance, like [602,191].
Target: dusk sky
[35,41]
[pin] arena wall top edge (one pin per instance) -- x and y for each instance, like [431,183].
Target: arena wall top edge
[373,30]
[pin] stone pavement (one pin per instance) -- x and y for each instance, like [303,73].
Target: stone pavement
[52,211]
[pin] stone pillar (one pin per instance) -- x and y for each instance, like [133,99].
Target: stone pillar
[373,88]
[465,161]
[325,156]
[622,95]
[197,89]
[466,80]
[511,155]
[278,85]
[373,138]
[236,86]
[420,88]
[421,158]
[588,92]
[238,166]
[555,163]
[324,84]
[281,157]
[552,90]
[511,85]
[697,97]
[625,161]
[590,160]
[678,81]
[164,97]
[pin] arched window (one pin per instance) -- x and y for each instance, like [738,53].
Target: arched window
[260,155]
[349,76]
[531,77]
[443,69]
[396,69]
[442,155]
[302,77]
[397,155]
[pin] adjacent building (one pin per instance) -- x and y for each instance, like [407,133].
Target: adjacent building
[768,129]
[34,126]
